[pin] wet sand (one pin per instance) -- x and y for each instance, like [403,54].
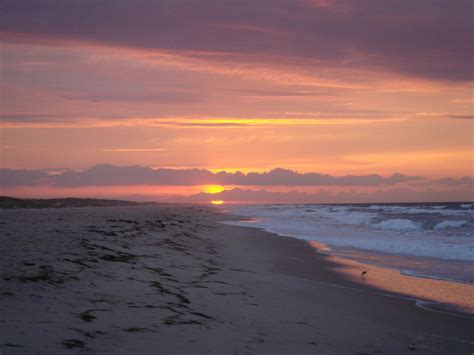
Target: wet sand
[172,279]
[438,295]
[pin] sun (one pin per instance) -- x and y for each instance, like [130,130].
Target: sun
[213,189]
[217,202]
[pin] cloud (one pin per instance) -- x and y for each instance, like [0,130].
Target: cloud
[203,124]
[463,117]
[162,98]
[351,189]
[107,175]
[32,117]
[133,150]
[429,39]
[111,175]
[284,177]
[9,177]
[253,93]
[466,180]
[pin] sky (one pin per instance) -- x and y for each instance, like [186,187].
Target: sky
[237,101]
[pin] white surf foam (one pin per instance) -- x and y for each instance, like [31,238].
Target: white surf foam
[375,227]
[398,224]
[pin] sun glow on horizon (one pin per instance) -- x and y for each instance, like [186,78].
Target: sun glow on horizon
[213,189]
[217,202]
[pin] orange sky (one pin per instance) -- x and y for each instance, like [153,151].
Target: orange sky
[73,100]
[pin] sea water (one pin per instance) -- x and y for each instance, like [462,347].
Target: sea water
[424,239]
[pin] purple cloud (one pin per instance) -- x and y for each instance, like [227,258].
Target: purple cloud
[106,175]
[466,180]
[462,117]
[425,38]
[10,178]
[159,97]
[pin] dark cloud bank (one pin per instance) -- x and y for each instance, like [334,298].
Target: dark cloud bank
[430,39]
[110,175]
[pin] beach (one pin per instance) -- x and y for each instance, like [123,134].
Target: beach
[173,279]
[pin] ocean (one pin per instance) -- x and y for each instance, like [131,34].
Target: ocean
[434,240]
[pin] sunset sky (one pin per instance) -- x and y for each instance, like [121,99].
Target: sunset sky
[273,100]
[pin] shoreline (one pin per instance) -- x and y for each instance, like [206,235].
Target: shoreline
[441,294]
[133,280]
[429,293]
[298,259]
[403,271]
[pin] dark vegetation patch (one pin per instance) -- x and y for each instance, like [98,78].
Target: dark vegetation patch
[163,290]
[86,316]
[199,314]
[127,221]
[100,300]
[176,320]
[172,244]
[196,284]
[182,298]
[159,271]
[86,333]
[242,270]
[79,261]
[119,257]
[45,274]
[96,230]
[12,345]
[73,343]
[137,330]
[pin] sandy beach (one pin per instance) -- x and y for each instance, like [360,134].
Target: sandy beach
[174,280]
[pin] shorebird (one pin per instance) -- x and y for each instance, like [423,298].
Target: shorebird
[362,275]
